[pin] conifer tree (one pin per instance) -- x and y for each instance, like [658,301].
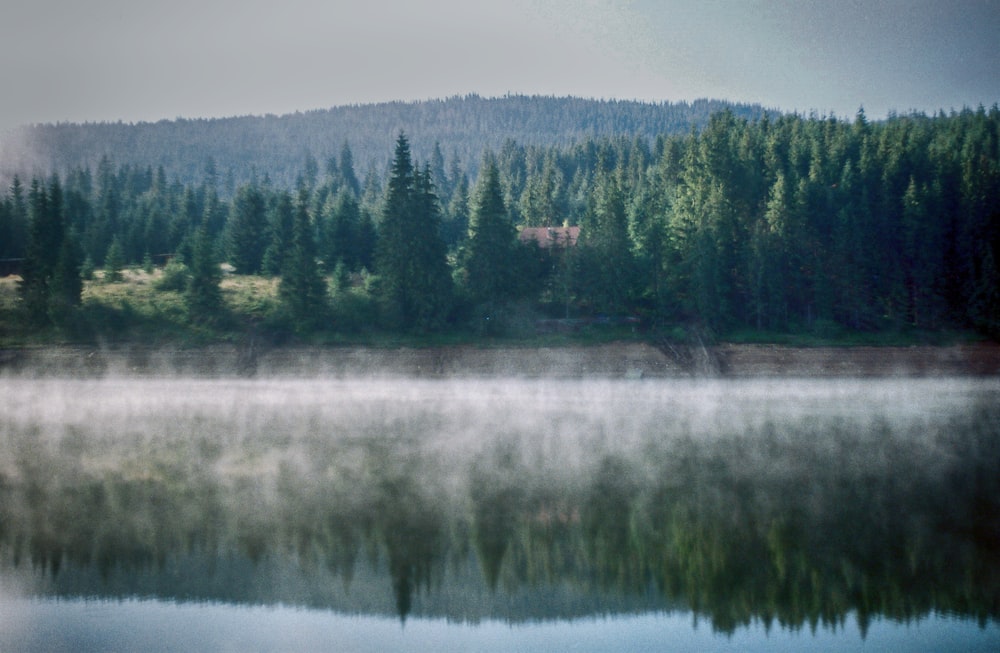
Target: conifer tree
[768,260]
[6,248]
[490,256]
[248,234]
[415,286]
[349,179]
[45,237]
[35,276]
[434,288]
[439,176]
[302,289]
[455,226]
[204,298]
[367,239]
[50,280]
[18,220]
[114,262]
[310,173]
[608,265]
[281,220]
[340,231]
[66,288]
[107,212]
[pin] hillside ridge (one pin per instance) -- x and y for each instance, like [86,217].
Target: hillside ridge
[241,148]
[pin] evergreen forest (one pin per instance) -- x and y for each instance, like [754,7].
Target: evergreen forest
[456,130]
[766,223]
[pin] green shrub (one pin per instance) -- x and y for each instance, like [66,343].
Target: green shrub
[175,276]
[353,312]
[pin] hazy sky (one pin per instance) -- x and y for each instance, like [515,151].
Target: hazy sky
[133,60]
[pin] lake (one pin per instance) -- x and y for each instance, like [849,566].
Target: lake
[489,514]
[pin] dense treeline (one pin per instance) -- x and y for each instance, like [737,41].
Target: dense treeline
[244,148]
[782,224]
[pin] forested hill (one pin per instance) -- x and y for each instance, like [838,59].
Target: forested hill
[777,224]
[248,147]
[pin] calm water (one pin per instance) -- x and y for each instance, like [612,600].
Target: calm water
[373,515]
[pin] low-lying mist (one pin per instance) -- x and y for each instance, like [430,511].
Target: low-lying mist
[795,500]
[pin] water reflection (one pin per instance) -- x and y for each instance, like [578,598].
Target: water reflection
[789,506]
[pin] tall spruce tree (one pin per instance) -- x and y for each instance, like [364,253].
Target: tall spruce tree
[66,288]
[37,268]
[341,219]
[608,265]
[6,248]
[491,255]
[349,179]
[435,287]
[50,280]
[282,219]
[248,234]
[18,212]
[302,289]
[455,225]
[415,285]
[367,238]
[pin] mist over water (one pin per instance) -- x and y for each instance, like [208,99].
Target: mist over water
[790,504]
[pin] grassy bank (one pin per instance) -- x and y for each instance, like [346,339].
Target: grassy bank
[140,309]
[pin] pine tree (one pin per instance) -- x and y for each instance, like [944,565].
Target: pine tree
[282,220]
[768,260]
[543,201]
[45,240]
[490,258]
[35,275]
[342,216]
[367,239]
[248,234]
[98,236]
[439,176]
[392,262]
[52,226]
[204,298]
[114,262]
[50,280]
[922,256]
[606,250]
[15,245]
[310,174]
[435,282]
[415,286]
[455,225]
[349,179]
[7,249]
[302,289]
[66,289]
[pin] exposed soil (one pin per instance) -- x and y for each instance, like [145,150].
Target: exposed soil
[615,360]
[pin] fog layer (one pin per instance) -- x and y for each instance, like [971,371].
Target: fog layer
[796,501]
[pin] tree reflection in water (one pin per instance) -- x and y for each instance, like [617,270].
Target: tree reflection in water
[801,519]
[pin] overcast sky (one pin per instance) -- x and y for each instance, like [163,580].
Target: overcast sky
[139,60]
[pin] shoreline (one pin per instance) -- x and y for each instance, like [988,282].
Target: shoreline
[628,360]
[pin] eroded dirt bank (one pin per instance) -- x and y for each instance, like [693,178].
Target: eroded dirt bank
[615,360]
